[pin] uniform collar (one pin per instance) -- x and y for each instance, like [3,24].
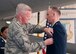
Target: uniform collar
[17,22]
[54,23]
[4,39]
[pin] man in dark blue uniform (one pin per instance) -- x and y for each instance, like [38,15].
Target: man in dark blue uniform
[59,35]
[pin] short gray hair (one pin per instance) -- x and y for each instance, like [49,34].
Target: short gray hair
[22,7]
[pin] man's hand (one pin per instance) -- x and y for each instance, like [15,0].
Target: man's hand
[48,41]
[49,31]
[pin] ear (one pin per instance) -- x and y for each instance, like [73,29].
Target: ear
[1,33]
[19,16]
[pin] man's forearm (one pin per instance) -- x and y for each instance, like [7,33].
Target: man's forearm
[37,29]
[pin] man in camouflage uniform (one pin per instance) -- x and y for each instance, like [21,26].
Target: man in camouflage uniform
[19,31]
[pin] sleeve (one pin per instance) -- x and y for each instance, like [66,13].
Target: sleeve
[61,31]
[22,41]
[60,35]
[60,39]
[36,29]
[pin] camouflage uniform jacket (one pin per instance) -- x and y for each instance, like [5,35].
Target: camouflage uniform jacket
[18,38]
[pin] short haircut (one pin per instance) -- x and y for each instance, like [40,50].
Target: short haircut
[22,7]
[3,28]
[56,9]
